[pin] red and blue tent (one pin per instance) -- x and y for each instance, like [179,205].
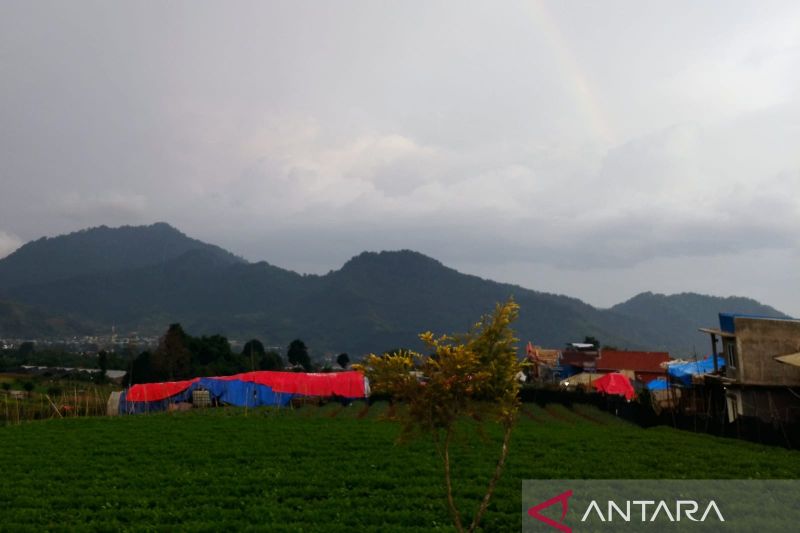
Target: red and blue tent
[617,384]
[249,389]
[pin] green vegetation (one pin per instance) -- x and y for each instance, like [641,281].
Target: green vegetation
[25,321]
[297,354]
[28,353]
[332,468]
[182,356]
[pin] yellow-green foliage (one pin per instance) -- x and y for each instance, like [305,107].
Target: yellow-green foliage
[473,374]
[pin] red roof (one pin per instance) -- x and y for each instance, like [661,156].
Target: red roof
[578,358]
[636,361]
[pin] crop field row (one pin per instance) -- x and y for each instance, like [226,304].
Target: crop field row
[329,468]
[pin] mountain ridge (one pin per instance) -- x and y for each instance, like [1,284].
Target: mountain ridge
[96,250]
[376,301]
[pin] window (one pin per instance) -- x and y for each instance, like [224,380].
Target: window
[730,353]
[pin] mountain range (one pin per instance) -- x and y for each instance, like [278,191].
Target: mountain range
[143,278]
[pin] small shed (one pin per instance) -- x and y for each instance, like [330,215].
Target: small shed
[112,407]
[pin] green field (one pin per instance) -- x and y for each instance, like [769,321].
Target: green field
[322,469]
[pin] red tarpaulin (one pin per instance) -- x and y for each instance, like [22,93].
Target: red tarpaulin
[615,383]
[349,384]
[151,392]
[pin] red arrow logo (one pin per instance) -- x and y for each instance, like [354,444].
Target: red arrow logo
[564,499]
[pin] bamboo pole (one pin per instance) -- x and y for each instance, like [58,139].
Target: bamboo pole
[54,406]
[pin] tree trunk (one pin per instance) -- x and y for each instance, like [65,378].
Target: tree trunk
[498,470]
[450,501]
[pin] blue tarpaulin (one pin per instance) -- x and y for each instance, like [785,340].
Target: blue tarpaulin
[136,408]
[565,371]
[243,393]
[683,372]
[658,384]
[248,389]
[231,392]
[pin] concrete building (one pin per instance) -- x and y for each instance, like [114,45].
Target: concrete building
[759,378]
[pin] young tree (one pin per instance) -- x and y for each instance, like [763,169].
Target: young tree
[270,361]
[466,375]
[26,349]
[253,349]
[140,369]
[343,360]
[172,360]
[28,386]
[593,341]
[298,354]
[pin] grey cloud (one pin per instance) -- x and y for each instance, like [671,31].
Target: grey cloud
[92,208]
[8,243]
[544,134]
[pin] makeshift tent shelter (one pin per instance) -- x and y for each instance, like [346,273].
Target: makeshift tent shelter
[586,379]
[658,384]
[682,372]
[583,379]
[250,389]
[615,383]
[662,399]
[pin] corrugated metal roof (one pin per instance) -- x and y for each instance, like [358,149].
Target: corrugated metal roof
[578,358]
[717,332]
[636,361]
[727,321]
[543,355]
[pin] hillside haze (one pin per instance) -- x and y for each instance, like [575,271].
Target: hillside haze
[143,278]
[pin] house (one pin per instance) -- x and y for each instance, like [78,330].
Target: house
[543,362]
[761,377]
[646,366]
[574,361]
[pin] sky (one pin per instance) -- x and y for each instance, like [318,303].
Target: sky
[594,149]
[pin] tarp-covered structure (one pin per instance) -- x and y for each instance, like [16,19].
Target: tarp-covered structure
[583,379]
[615,384]
[682,373]
[250,389]
[658,384]
[586,379]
